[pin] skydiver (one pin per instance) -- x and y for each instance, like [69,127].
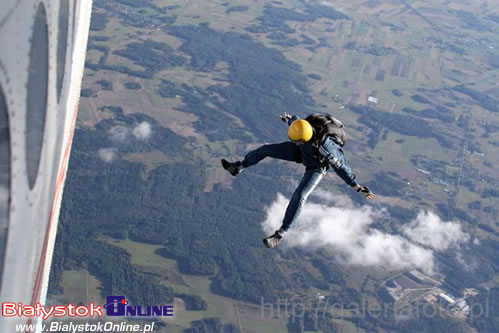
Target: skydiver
[316,142]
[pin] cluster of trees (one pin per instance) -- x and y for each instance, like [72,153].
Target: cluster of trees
[105,84]
[307,40]
[401,214]
[388,184]
[450,212]
[102,48]
[330,271]
[120,69]
[234,9]
[489,129]
[98,21]
[263,84]
[138,4]
[373,50]
[96,38]
[315,76]
[193,302]
[475,205]
[153,56]
[167,89]
[132,85]
[487,228]
[490,192]
[383,294]
[445,45]
[485,101]
[312,320]
[280,38]
[397,92]
[377,120]
[485,310]
[421,99]
[471,21]
[481,265]
[87,92]
[274,18]
[440,112]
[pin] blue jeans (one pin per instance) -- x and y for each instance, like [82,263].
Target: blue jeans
[288,151]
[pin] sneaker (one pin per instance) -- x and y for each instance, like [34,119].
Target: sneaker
[273,240]
[234,168]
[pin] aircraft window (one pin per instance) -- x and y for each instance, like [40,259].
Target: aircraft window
[62,44]
[75,9]
[4,179]
[37,94]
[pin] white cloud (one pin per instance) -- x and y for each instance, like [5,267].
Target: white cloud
[142,131]
[107,154]
[346,229]
[429,230]
[118,133]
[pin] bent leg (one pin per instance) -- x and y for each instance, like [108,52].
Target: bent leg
[309,182]
[284,151]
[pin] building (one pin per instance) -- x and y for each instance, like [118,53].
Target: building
[447,298]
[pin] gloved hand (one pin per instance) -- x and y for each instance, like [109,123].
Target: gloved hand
[364,190]
[285,117]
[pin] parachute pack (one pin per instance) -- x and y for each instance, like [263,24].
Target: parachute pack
[326,125]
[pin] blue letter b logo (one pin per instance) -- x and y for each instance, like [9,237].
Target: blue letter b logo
[115,306]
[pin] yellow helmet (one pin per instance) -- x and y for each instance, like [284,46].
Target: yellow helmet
[300,130]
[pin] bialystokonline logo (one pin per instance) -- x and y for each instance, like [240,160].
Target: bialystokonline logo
[116,306]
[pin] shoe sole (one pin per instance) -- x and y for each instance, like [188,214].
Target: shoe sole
[269,244]
[266,242]
[226,166]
